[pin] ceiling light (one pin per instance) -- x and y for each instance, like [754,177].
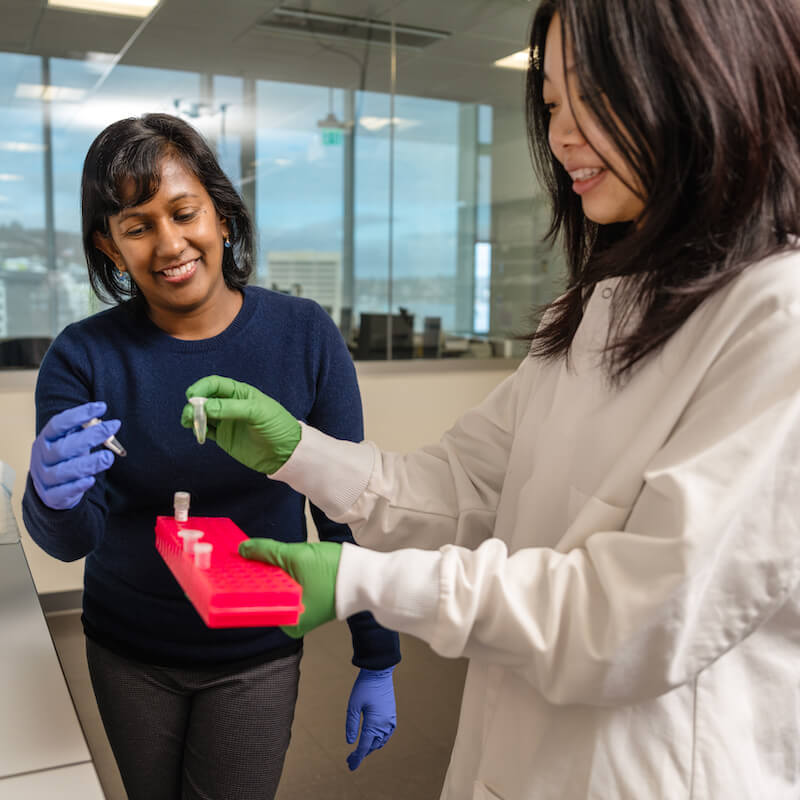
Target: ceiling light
[97,57]
[332,122]
[519,60]
[98,63]
[123,8]
[378,123]
[37,91]
[374,123]
[7,176]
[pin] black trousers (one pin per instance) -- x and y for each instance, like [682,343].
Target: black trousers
[183,734]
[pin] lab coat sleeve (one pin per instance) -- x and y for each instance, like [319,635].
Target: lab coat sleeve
[709,552]
[445,493]
[64,381]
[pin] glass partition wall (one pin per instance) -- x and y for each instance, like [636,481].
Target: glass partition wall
[380,149]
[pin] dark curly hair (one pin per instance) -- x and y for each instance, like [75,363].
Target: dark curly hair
[132,150]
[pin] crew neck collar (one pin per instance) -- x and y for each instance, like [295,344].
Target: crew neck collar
[174,344]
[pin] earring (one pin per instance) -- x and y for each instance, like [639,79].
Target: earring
[227,242]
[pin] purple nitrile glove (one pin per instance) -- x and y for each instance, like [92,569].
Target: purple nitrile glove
[62,465]
[373,698]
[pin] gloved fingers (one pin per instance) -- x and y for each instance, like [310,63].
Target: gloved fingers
[364,748]
[217,386]
[272,552]
[187,415]
[238,409]
[72,419]
[73,469]
[353,761]
[381,724]
[378,743]
[269,551]
[352,723]
[293,631]
[65,496]
[78,443]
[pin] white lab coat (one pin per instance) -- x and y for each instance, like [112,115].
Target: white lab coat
[620,566]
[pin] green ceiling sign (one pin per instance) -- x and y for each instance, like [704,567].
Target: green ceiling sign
[331,136]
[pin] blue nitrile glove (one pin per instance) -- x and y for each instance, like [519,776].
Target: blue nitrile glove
[373,697]
[62,464]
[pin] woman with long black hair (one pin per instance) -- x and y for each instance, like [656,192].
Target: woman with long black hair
[613,536]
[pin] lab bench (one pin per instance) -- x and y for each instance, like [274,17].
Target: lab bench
[43,753]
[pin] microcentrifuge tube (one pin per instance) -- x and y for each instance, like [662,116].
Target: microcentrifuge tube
[181,506]
[190,539]
[112,443]
[202,554]
[200,422]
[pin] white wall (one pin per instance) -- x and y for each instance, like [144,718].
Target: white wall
[405,406]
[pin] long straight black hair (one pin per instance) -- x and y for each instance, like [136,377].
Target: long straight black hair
[705,96]
[132,150]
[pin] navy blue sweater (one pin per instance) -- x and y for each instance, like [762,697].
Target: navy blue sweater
[286,346]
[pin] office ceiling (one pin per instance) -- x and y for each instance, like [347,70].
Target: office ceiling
[229,37]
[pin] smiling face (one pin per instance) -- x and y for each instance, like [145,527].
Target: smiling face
[581,145]
[172,247]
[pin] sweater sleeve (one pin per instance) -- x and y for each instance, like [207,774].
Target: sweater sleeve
[64,382]
[337,412]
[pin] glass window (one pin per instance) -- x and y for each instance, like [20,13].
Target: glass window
[299,202]
[418,209]
[24,309]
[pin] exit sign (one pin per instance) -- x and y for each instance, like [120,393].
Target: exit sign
[331,136]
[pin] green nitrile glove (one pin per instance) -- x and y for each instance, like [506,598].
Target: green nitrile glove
[313,565]
[245,423]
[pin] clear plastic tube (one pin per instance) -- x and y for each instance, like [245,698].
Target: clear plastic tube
[200,422]
[190,539]
[112,443]
[181,505]
[202,554]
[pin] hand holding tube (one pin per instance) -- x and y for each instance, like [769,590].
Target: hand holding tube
[253,428]
[63,465]
[112,443]
[314,565]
